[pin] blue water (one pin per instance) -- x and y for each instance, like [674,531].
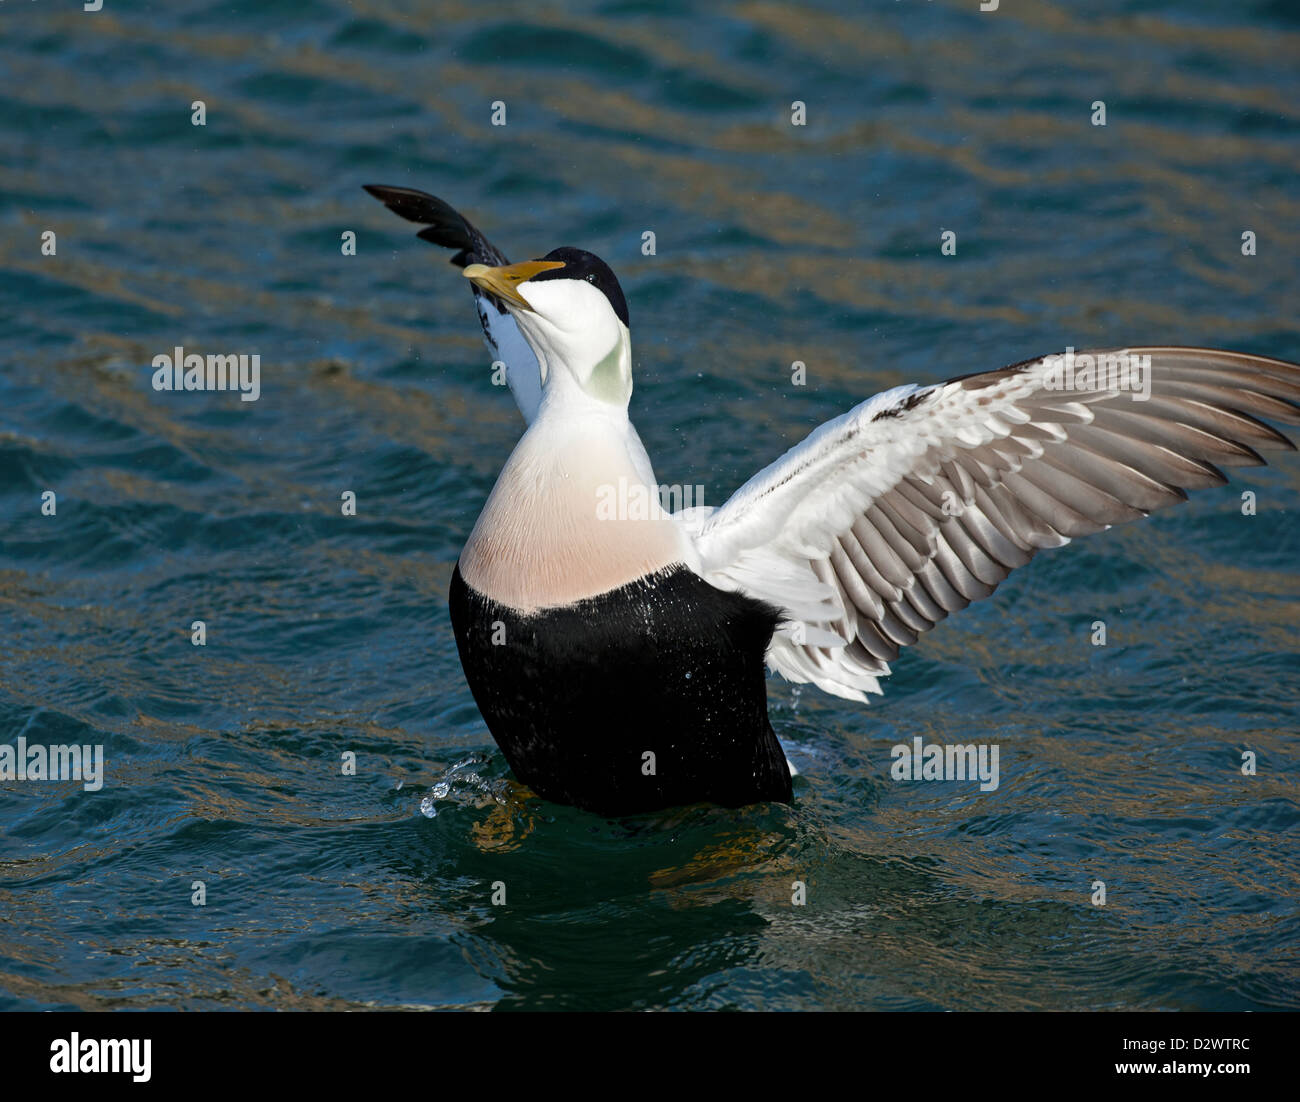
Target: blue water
[329,635]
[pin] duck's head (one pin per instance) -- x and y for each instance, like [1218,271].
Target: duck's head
[572,312]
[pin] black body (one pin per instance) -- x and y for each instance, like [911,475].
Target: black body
[668,664]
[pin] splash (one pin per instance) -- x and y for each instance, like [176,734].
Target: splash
[462,785]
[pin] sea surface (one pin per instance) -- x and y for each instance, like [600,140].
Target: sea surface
[327,637]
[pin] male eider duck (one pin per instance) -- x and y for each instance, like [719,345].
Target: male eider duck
[619,660]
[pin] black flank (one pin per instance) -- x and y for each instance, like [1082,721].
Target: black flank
[668,664]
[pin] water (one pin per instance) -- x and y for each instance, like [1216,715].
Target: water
[329,634]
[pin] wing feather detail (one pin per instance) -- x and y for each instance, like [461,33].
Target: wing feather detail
[923,499]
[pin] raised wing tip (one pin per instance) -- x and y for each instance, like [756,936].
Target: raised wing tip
[444,225]
[413,205]
[386,194]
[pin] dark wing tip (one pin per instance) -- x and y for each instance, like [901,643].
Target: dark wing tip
[443,224]
[437,235]
[405,201]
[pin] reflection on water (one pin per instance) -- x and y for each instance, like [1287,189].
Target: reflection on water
[328,635]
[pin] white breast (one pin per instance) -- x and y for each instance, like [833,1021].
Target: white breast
[568,517]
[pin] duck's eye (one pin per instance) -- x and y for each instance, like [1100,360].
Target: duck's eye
[591,277]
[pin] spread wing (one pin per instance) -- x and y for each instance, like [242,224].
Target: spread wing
[922,499]
[445,226]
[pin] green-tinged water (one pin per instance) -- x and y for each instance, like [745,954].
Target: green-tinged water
[329,635]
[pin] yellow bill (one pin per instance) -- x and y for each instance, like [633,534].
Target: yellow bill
[503,281]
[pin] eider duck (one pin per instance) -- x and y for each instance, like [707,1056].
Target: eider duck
[617,655]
